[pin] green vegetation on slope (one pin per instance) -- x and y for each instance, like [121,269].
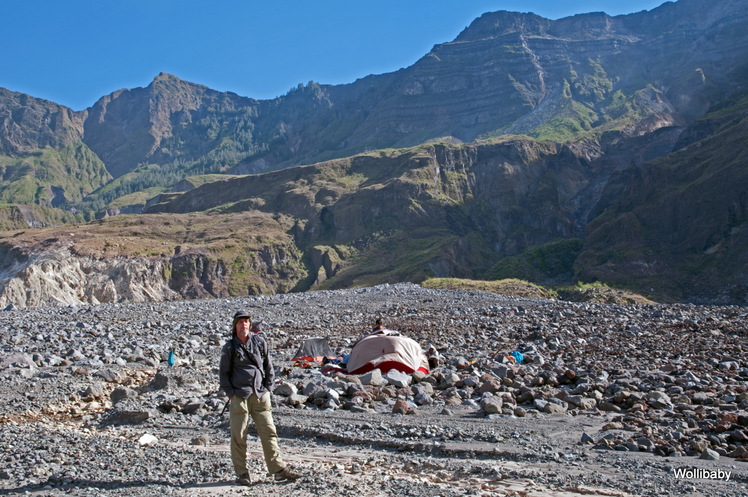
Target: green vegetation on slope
[595,293]
[511,287]
[51,177]
[551,263]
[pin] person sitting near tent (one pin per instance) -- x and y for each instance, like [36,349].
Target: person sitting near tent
[246,375]
[434,357]
[379,329]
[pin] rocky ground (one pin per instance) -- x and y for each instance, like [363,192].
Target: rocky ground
[610,400]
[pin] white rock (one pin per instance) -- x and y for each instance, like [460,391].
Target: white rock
[147,439]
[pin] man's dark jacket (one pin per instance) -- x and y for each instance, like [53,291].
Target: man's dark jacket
[246,369]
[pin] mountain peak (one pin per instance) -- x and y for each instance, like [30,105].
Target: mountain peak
[502,22]
[165,76]
[170,83]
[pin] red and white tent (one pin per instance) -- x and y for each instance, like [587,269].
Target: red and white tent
[385,350]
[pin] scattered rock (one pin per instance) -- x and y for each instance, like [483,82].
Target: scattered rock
[660,392]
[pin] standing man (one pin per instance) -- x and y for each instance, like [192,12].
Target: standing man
[246,375]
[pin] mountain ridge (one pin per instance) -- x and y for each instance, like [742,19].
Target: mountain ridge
[514,137]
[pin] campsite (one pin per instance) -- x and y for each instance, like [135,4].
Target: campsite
[103,413]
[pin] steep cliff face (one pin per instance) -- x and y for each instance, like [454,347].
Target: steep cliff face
[272,269]
[519,73]
[463,205]
[58,277]
[28,124]
[677,225]
[456,209]
[20,217]
[63,277]
[150,258]
[131,127]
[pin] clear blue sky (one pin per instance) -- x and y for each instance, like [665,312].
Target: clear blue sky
[75,52]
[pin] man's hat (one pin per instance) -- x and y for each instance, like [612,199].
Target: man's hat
[242,314]
[239,315]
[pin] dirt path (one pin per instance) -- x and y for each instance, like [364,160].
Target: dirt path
[357,468]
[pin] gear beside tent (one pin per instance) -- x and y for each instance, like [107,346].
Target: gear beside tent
[314,350]
[386,350]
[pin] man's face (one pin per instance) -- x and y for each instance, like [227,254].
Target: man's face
[243,325]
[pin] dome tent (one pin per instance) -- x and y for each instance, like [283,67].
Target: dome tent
[386,350]
[314,350]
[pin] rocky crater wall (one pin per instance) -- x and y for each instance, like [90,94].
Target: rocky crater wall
[62,278]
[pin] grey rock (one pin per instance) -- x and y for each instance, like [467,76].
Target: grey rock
[285,389]
[398,378]
[608,407]
[373,378]
[422,388]
[161,381]
[122,393]
[501,371]
[203,440]
[448,380]
[554,408]
[709,455]
[360,409]
[659,400]
[471,381]
[699,397]
[128,416]
[312,389]
[581,402]
[192,406]
[95,391]
[109,375]
[296,400]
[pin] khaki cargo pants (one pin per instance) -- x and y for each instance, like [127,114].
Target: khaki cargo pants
[261,412]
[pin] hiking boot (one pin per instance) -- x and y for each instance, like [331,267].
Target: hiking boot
[286,475]
[244,480]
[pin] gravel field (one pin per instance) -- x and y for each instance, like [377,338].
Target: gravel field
[610,400]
